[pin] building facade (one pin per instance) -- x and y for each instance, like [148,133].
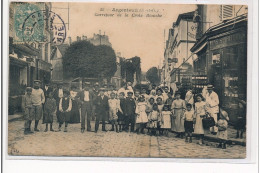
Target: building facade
[221,51]
[33,57]
[28,60]
[177,65]
[56,61]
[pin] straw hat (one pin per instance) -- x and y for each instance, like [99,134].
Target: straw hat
[224,114]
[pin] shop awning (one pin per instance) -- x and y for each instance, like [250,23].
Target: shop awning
[200,48]
[26,49]
[17,62]
[219,28]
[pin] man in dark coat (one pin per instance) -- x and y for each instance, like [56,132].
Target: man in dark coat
[95,94]
[46,90]
[57,95]
[86,98]
[130,111]
[101,109]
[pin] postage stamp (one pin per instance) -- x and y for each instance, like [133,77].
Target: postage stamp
[21,13]
[31,22]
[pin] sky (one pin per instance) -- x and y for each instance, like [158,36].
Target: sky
[131,36]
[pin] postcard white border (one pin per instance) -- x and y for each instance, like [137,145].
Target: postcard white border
[124,163]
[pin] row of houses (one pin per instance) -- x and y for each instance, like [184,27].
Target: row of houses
[28,61]
[209,45]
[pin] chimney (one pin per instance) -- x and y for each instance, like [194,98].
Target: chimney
[104,33]
[78,38]
[69,40]
[84,37]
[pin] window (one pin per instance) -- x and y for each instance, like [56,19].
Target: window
[231,58]
[216,58]
[226,12]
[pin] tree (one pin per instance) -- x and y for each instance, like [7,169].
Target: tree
[83,59]
[152,75]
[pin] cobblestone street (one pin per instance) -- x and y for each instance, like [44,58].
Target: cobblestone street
[111,144]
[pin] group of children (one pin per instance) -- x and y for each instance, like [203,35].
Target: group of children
[49,109]
[159,115]
[157,112]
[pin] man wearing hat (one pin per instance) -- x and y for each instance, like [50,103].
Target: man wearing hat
[212,102]
[38,100]
[86,98]
[101,109]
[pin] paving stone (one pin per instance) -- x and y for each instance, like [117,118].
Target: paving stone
[110,144]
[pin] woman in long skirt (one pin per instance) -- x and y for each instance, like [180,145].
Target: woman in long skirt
[75,116]
[178,107]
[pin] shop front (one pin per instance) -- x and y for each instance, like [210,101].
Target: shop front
[223,60]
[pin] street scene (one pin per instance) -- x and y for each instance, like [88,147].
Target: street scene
[127,80]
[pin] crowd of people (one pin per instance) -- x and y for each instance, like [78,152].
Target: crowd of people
[155,111]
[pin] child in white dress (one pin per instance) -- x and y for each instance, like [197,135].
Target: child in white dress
[141,117]
[166,120]
[153,119]
[149,110]
[200,113]
[114,107]
[160,105]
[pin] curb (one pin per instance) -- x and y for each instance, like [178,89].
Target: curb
[229,141]
[18,118]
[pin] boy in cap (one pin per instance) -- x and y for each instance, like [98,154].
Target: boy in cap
[38,99]
[27,109]
[130,111]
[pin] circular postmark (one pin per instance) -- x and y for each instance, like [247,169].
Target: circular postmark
[44,27]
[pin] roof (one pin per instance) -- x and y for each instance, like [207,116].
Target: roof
[62,48]
[188,15]
[26,49]
[222,27]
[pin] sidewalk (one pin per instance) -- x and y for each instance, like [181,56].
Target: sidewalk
[15,117]
[231,132]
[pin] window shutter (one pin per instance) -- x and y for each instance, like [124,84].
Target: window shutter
[226,12]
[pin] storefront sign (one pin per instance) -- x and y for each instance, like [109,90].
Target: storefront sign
[44,65]
[228,40]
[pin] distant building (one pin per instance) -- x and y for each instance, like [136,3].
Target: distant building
[56,61]
[99,39]
[78,38]
[177,64]
[84,37]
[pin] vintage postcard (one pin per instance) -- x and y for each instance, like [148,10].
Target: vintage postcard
[127,80]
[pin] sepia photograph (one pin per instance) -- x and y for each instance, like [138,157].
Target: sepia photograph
[127,80]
